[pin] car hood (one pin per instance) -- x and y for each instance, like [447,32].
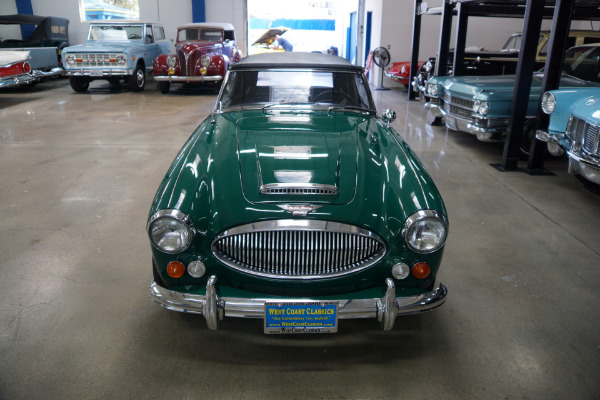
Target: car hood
[102,47]
[269,35]
[296,154]
[216,177]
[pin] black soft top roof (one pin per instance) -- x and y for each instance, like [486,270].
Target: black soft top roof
[295,60]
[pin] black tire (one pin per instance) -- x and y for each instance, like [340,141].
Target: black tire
[164,87]
[79,84]
[137,81]
[527,138]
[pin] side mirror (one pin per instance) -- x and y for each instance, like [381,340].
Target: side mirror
[389,116]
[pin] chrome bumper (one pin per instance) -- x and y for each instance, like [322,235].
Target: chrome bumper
[582,164]
[94,73]
[173,78]
[53,72]
[17,80]
[215,308]
[494,132]
[553,141]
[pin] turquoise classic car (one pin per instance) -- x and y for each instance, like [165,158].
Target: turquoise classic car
[574,129]
[117,51]
[295,203]
[481,105]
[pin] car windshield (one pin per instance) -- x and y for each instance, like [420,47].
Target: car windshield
[206,35]
[583,63]
[296,87]
[112,32]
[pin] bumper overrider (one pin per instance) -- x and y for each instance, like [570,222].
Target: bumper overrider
[579,162]
[214,308]
[486,129]
[188,79]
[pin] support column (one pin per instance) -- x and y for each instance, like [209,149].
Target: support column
[461,39]
[416,39]
[561,24]
[525,65]
[25,7]
[441,65]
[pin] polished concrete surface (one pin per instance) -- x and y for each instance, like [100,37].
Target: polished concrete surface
[522,319]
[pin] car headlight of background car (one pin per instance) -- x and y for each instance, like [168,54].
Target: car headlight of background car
[481,107]
[548,103]
[434,90]
[121,59]
[171,60]
[425,231]
[70,60]
[170,231]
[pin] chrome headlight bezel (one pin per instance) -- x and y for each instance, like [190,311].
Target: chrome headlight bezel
[548,103]
[205,61]
[429,223]
[484,107]
[434,90]
[121,59]
[172,225]
[171,61]
[476,105]
[70,60]
[428,66]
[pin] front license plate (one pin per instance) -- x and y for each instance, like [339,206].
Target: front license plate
[301,317]
[95,72]
[450,122]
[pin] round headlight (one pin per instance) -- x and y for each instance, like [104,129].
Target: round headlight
[121,59]
[70,60]
[476,105]
[548,102]
[484,107]
[434,89]
[205,61]
[196,269]
[425,231]
[170,231]
[171,61]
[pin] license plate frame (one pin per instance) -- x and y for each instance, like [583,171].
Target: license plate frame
[301,317]
[96,72]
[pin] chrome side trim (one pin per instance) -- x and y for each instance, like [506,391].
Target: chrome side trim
[385,309]
[299,189]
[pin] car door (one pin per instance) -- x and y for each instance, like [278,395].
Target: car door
[152,49]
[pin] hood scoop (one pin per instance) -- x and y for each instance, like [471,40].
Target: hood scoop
[299,189]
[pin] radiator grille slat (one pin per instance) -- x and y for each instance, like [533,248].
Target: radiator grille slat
[457,106]
[96,60]
[299,253]
[587,135]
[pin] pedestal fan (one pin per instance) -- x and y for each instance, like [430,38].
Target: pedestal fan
[381,58]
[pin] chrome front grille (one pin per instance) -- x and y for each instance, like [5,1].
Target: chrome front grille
[459,106]
[298,249]
[587,135]
[96,59]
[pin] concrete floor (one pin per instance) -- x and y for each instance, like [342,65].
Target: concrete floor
[78,174]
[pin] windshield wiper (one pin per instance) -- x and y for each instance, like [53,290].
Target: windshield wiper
[349,108]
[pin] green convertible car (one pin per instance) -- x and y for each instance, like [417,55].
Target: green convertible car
[295,203]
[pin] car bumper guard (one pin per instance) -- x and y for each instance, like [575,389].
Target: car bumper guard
[214,308]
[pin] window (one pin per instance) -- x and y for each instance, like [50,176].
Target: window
[101,10]
[159,33]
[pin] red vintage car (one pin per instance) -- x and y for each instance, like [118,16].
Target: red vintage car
[400,72]
[15,69]
[203,53]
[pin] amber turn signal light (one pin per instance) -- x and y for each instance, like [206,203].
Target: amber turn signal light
[175,269]
[421,270]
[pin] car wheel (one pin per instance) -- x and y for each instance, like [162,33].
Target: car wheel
[137,81]
[527,139]
[79,83]
[164,87]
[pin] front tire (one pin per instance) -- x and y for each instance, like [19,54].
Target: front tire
[527,139]
[79,84]
[164,87]
[137,81]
